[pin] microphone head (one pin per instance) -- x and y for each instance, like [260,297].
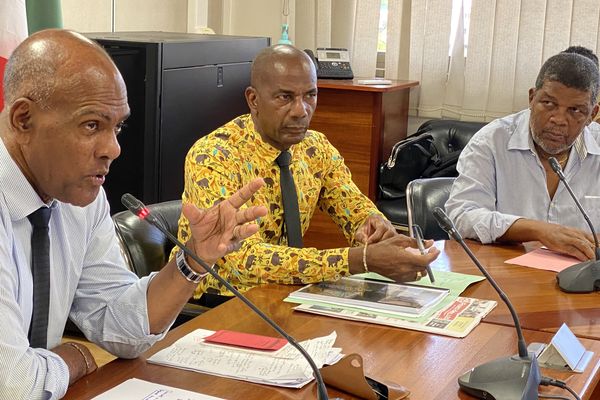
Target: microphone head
[555,166]
[134,205]
[446,223]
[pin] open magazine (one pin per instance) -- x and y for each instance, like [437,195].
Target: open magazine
[456,319]
[400,299]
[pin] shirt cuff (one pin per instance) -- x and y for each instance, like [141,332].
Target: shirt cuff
[496,227]
[127,328]
[57,377]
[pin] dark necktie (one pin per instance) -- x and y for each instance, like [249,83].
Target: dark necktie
[40,267]
[291,213]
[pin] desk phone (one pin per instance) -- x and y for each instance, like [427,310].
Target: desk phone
[332,63]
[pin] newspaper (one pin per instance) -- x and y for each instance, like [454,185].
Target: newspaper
[456,319]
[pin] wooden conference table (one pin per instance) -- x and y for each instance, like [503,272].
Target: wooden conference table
[534,293]
[426,364]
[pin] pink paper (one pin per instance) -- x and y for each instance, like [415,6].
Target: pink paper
[248,340]
[544,259]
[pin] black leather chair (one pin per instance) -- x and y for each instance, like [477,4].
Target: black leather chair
[422,196]
[146,249]
[447,138]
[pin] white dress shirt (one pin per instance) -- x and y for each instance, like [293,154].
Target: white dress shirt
[501,179]
[88,282]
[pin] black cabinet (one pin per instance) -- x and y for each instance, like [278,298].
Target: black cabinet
[180,87]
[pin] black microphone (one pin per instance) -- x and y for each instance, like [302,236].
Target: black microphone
[506,378]
[585,276]
[139,209]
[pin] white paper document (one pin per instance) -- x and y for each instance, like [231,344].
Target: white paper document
[285,367]
[137,389]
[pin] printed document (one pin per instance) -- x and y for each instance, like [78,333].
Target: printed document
[137,389]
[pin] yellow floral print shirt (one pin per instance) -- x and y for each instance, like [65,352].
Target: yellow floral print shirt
[222,162]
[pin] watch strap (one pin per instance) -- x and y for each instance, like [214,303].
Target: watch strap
[188,273]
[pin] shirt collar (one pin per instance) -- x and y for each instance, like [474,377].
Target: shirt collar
[263,149]
[589,142]
[521,139]
[20,197]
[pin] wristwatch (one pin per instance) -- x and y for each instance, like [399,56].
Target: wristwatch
[188,273]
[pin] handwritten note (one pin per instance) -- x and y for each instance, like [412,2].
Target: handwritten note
[284,367]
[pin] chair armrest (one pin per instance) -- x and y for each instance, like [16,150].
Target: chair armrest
[192,310]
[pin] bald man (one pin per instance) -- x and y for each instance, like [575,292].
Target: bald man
[65,104]
[282,98]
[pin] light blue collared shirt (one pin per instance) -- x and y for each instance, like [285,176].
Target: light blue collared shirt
[89,282]
[501,179]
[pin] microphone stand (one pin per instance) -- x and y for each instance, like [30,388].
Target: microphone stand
[506,378]
[141,211]
[585,276]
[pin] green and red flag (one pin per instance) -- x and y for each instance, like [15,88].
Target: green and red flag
[20,17]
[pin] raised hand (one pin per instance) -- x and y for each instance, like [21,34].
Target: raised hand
[221,228]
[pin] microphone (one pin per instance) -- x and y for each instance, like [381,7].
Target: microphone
[585,276]
[506,378]
[138,208]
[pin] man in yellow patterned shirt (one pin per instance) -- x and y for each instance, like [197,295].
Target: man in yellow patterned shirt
[282,98]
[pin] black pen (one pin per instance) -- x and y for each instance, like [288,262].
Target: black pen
[419,238]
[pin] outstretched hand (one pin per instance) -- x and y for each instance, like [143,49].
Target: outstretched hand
[221,229]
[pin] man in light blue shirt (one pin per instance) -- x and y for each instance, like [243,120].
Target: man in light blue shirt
[65,103]
[506,189]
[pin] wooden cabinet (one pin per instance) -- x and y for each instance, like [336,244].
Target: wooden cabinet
[363,122]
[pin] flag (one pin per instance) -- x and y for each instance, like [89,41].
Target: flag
[43,14]
[13,29]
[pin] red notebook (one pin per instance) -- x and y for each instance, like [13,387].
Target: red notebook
[248,340]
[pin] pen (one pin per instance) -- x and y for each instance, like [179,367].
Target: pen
[419,238]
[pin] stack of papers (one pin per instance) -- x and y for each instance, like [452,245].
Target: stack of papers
[395,298]
[453,316]
[285,367]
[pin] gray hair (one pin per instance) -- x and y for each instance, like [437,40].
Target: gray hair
[31,75]
[34,68]
[572,70]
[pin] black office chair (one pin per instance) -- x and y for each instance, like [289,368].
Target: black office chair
[422,196]
[146,249]
[430,152]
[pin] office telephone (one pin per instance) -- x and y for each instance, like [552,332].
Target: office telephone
[332,63]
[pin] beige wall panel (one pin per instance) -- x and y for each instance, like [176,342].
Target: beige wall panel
[130,15]
[258,18]
[87,15]
[151,15]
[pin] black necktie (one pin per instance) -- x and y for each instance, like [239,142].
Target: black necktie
[291,213]
[40,267]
